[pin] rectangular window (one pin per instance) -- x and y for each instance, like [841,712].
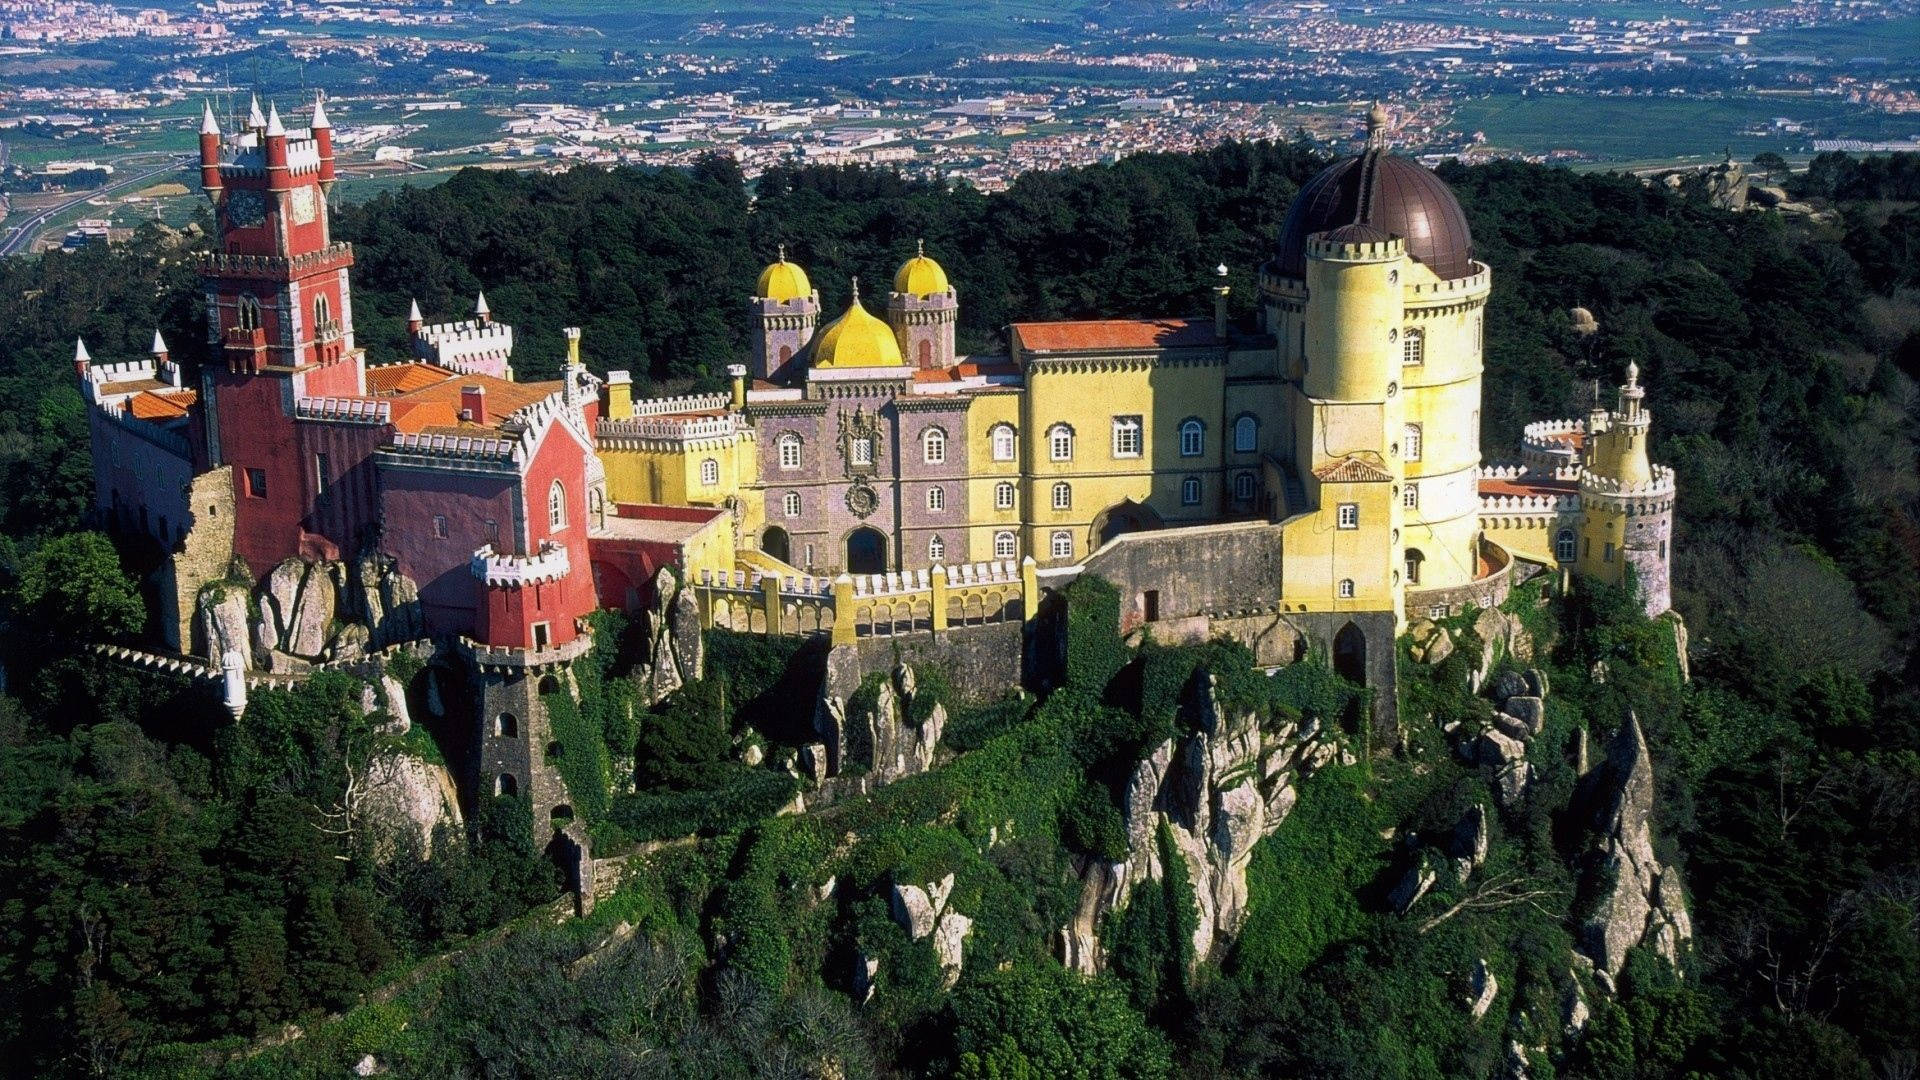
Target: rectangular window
[1607,552]
[542,635]
[439,526]
[1126,436]
[493,532]
[1346,588]
[861,452]
[257,483]
[1151,603]
[1003,496]
[320,474]
[1349,515]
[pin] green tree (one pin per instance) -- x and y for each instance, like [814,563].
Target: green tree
[73,587]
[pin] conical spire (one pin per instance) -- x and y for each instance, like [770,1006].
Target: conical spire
[413,312]
[80,351]
[208,125]
[319,114]
[480,304]
[254,117]
[274,126]
[1633,375]
[159,344]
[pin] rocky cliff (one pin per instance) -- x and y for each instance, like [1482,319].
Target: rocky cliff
[305,612]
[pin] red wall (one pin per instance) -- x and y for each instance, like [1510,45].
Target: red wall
[256,433]
[345,510]
[511,612]
[410,499]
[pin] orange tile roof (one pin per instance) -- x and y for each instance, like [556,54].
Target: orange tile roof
[1528,485]
[1114,334]
[405,378]
[437,405]
[147,405]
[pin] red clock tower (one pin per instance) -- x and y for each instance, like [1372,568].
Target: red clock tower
[279,322]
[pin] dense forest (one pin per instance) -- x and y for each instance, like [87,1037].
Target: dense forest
[170,890]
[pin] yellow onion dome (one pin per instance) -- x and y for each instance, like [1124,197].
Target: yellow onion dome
[856,340]
[921,276]
[782,281]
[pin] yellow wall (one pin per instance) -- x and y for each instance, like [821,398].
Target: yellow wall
[1088,398]
[985,412]
[662,473]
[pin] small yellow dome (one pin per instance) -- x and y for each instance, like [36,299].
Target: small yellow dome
[855,340]
[921,276]
[783,281]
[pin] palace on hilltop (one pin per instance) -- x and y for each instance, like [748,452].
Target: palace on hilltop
[1316,479]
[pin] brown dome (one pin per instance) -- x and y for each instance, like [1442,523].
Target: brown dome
[1387,192]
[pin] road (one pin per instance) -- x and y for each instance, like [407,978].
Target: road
[20,237]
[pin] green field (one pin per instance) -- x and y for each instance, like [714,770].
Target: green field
[1631,129]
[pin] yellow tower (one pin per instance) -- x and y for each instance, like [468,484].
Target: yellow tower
[1626,502]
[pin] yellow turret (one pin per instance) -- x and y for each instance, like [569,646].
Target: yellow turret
[921,276]
[856,339]
[783,281]
[1620,452]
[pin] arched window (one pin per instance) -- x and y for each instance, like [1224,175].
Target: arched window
[247,312]
[1410,496]
[710,472]
[506,726]
[1246,435]
[936,498]
[789,451]
[557,506]
[597,507]
[1062,544]
[1413,346]
[1410,442]
[933,446]
[1060,442]
[936,549]
[1003,495]
[1063,496]
[1190,491]
[322,313]
[1564,547]
[1193,437]
[505,784]
[790,503]
[1005,545]
[1003,442]
[1346,588]
[1243,486]
[1127,439]
[1414,559]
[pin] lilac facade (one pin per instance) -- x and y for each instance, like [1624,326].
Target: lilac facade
[835,504]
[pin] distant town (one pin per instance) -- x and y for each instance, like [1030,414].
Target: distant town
[98,102]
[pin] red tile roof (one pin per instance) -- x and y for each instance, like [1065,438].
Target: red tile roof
[435,407]
[405,378]
[1114,334]
[147,405]
[1528,485]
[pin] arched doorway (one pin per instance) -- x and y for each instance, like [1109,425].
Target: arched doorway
[866,551]
[776,543]
[1350,655]
[1414,560]
[1123,518]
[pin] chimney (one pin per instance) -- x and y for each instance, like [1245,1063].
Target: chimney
[1220,291]
[738,374]
[573,345]
[619,395]
[473,403]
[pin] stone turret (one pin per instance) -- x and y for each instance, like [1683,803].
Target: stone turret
[1626,501]
[786,310]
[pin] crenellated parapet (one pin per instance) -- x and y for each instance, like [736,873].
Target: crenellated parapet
[343,410]
[515,571]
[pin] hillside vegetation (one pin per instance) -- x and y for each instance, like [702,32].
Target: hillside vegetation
[171,891]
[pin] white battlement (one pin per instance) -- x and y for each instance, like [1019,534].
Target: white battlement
[551,564]
[680,429]
[687,403]
[755,581]
[351,410]
[456,446]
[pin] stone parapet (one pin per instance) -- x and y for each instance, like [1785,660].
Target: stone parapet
[515,571]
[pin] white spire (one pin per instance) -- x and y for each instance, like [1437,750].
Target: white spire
[159,344]
[274,126]
[254,119]
[480,304]
[80,351]
[1633,374]
[413,312]
[208,125]
[319,114]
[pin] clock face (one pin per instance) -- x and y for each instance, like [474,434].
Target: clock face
[304,205]
[245,209]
